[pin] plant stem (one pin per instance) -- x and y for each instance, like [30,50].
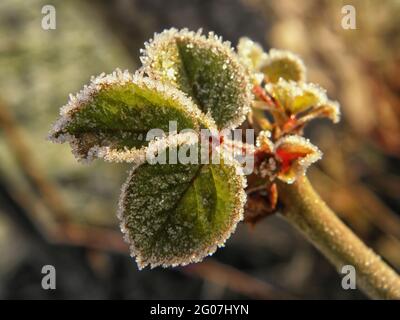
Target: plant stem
[304,209]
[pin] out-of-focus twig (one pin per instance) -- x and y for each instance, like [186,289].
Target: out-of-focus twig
[235,280]
[32,171]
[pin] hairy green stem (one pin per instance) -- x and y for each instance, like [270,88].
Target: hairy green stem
[304,209]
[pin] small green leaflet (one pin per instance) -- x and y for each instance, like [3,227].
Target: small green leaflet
[283,64]
[301,97]
[206,69]
[118,110]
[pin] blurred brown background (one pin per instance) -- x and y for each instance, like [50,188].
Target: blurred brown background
[56,211]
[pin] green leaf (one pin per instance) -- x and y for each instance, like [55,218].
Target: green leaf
[174,214]
[283,64]
[206,69]
[117,111]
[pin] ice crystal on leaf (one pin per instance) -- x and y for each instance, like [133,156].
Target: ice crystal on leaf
[205,68]
[282,64]
[114,113]
[251,53]
[306,98]
[295,154]
[270,66]
[286,159]
[178,214]
[147,153]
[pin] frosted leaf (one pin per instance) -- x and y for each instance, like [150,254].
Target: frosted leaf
[295,154]
[264,141]
[329,109]
[178,214]
[205,68]
[114,113]
[251,54]
[146,153]
[298,97]
[283,64]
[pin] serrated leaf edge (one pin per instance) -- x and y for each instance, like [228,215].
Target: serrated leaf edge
[146,153]
[117,77]
[211,40]
[238,205]
[278,54]
[298,88]
[315,155]
[247,47]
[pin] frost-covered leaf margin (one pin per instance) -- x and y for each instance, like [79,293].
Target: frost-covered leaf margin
[226,94]
[87,150]
[138,239]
